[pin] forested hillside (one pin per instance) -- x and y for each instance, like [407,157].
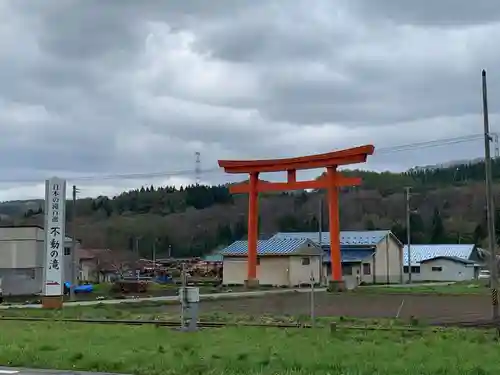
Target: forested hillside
[448,206]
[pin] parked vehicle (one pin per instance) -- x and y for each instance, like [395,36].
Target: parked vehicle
[484,274]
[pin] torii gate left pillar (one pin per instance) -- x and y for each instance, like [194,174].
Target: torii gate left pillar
[331,181]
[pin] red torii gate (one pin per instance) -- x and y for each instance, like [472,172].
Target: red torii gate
[331,181]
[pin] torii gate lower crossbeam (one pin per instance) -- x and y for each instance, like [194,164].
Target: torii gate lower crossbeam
[331,181]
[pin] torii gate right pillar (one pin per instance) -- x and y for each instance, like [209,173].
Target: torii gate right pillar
[336,281]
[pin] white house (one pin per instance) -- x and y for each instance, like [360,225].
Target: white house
[368,257]
[280,262]
[455,262]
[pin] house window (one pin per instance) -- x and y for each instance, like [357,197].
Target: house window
[347,270]
[414,269]
[67,251]
[306,261]
[367,269]
[437,269]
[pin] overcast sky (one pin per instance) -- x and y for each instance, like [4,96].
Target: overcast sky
[92,87]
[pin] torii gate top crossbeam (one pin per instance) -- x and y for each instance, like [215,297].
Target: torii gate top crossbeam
[343,157]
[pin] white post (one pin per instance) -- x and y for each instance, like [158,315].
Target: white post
[313,315]
[55,211]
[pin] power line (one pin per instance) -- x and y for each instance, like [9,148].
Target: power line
[199,171]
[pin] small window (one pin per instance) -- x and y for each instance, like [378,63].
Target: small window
[367,269]
[414,269]
[67,251]
[437,269]
[306,261]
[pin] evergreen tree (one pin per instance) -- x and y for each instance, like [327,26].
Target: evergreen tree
[437,235]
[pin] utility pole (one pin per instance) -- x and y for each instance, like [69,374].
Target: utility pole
[154,254]
[490,208]
[73,247]
[137,246]
[408,231]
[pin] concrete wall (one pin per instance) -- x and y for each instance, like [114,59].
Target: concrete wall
[273,270]
[450,271]
[300,273]
[388,262]
[19,281]
[22,254]
[21,247]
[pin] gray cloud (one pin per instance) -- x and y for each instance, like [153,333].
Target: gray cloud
[92,87]
[447,13]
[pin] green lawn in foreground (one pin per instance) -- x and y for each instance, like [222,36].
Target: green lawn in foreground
[150,351]
[458,289]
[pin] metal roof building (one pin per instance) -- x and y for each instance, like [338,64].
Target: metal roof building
[367,256]
[420,253]
[281,262]
[271,247]
[347,238]
[450,262]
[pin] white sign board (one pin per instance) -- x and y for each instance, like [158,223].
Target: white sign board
[55,207]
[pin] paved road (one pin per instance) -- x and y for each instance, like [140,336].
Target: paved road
[212,296]
[23,371]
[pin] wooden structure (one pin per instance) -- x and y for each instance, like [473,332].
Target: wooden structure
[331,181]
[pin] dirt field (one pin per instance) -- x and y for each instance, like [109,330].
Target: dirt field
[431,309]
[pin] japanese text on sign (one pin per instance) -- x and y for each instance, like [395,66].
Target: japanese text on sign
[54,235]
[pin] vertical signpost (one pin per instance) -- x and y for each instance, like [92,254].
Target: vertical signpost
[55,209]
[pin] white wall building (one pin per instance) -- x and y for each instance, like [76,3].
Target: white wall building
[455,262]
[22,256]
[279,262]
[368,257]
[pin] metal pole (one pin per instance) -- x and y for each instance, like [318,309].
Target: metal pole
[490,208]
[312,299]
[154,251]
[408,231]
[73,247]
[183,296]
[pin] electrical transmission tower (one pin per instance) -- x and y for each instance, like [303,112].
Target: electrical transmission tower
[497,146]
[197,167]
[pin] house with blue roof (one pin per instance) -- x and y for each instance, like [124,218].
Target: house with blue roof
[280,262]
[367,257]
[451,262]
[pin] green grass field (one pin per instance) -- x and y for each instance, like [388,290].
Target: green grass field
[149,351]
